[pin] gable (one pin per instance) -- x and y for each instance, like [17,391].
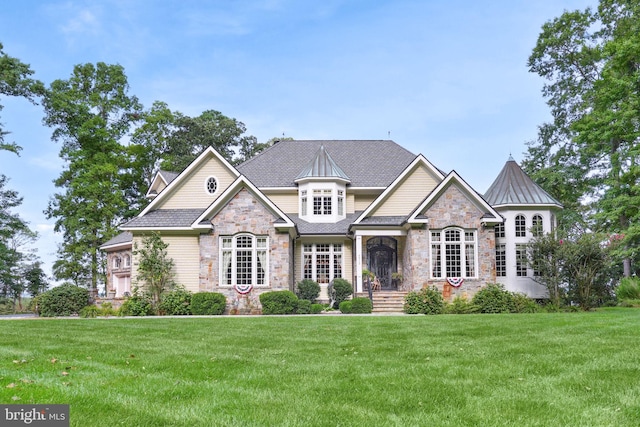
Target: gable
[408,194]
[453,207]
[189,190]
[244,212]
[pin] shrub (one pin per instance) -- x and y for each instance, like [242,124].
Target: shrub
[341,290]
[425,301]
[176,302]
[308,290]
[278,302]
[524,304]
[63,300]
[493,298]
[106,309]
[303,306]
[629,288]
[317,308]
[460,305]
[137,305]
[346,307]
[208,303]
[90,311]
[361,305]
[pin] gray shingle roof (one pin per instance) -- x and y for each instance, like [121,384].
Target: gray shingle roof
[124,237]
[514,187]
[383,220]
[367,163]
[168,176]
[340,227]
[165,218]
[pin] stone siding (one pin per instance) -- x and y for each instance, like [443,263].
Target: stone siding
[452,209]
[245,214]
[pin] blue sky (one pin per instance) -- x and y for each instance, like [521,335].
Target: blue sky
[447,79]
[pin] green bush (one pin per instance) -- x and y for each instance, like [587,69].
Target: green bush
[278,302]
[493,298]
[524,304]
[307,289]
[90,311]
[137,305]
[176,302]
[63,300]
[341,291]
[208,303]
[425,301]
[106,309]
[629,288]
[361,305]
[317,308]
[303,306]
[346,307]
[460,305]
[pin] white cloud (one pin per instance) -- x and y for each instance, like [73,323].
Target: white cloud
[81,22]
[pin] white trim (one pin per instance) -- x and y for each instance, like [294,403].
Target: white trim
[116,246]
[440,188]
[463,254]
[380,232]
[254,259]
[420,159]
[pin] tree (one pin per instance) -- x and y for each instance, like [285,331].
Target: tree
[155,267]
[15,81]
[544,257]
[589,154]
[36,279]
[91,113]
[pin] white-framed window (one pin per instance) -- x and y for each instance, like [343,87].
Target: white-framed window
[499,229]
[536,225]
[521,260]
[244,260]
[211,185]
[117,262]
[127,261]
[501,260]
[521,226]
[303,203]
[453,253]
[322,202]
[340,202]
[322,262]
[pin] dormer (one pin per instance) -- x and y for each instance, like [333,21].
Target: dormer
[322,187]
[159,182]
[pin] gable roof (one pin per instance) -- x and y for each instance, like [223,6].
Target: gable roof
[490,214]
[282,220]
[367,163]
[514,187]
[123,239]
[418,160]
[322,166]
[160,179]
[210,151]
[174,219]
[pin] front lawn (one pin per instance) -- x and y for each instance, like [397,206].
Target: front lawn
[578,369]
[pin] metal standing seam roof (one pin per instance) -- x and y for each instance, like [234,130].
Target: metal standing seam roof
[367,163]
[322,166]
[514,187]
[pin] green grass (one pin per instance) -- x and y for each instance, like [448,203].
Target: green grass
[561,369]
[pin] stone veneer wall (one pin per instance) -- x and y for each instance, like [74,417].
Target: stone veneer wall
[122,270]
[453,208]
[244,213]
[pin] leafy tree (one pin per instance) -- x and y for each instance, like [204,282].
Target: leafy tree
[588,156]
[36,279]
[91,113]
[544,256]
[155,267]
[15,81]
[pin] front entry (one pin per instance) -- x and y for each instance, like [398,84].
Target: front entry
[383,260]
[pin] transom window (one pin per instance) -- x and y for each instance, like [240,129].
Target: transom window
[322,261]
[521,226]
[453,253]
[244,260]
[211,185]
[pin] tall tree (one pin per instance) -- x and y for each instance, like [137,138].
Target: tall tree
[589,154]
[15,81]
[91,113]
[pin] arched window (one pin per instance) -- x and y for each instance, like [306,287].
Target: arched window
[453,253]
[521,226]
[127,261]
[536,225]
[116,262]
[244,260]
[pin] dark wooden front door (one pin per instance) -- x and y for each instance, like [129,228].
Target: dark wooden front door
[383,260]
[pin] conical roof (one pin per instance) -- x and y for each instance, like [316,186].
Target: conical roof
[322,166]
[514,187]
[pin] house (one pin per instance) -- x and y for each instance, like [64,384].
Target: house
[329,209]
